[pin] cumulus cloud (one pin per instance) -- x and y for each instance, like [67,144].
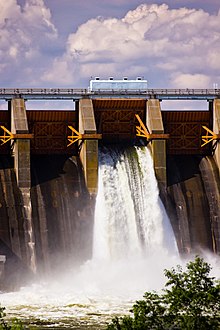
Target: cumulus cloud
[170,47]
[26,33]
[181,80]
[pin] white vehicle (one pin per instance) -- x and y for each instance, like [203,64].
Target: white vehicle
[124,84]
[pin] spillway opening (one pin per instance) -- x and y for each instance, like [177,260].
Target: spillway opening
[130,219]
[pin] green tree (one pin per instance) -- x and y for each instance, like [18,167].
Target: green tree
[15,325]
[190,301]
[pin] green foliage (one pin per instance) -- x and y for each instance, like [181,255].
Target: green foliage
[190,301]
[15,325]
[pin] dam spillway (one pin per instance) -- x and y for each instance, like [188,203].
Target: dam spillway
[63,212]
[130,221]
[127,236]
[132,243]
[45,182]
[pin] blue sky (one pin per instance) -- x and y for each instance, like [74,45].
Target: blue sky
[62,43]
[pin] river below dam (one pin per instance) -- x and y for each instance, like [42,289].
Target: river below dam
[133,242]
[87,299]
[90,297]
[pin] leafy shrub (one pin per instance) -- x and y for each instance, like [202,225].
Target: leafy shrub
[190,301]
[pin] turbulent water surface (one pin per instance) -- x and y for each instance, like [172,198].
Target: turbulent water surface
[133,243]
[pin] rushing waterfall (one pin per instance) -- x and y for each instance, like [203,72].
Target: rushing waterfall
[133,243]
[129,218]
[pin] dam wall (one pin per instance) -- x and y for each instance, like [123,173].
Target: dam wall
[63,211]
[12,239]
[192,202]
[48,192]
[62,217]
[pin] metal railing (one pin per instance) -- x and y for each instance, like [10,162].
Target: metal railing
[77,93]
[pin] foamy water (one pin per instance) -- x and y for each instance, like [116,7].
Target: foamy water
[130,218]
[90,295]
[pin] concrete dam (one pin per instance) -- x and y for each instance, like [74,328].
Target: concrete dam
[49,171]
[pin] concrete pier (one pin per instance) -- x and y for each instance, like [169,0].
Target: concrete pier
[2,267]
[216,129]
[155,126]
[89,148]
[21,152]
[21,148]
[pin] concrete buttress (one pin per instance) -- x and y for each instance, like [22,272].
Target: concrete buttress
[89,149]
[158,147]
[21,151]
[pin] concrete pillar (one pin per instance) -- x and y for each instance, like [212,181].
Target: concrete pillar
[89,149]
[21,151]
[2,267]
[216,129]
[155,126]
[21,148]
[11,223]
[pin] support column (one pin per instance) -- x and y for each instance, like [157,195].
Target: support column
[21,150]
[155,126]
[2,268]
[216,129]
[89,150]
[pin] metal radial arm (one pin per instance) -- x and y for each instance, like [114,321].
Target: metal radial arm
[143,131]
[209,137]
[7,135]
[76,136]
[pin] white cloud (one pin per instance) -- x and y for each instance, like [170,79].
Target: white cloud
[181,80]
[61,73]
[167,46]
[8,8]
[38,18]
[25,33]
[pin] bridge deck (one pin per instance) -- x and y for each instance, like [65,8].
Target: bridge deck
[78,93]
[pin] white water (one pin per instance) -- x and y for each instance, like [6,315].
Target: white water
[133,243]
[130,219]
